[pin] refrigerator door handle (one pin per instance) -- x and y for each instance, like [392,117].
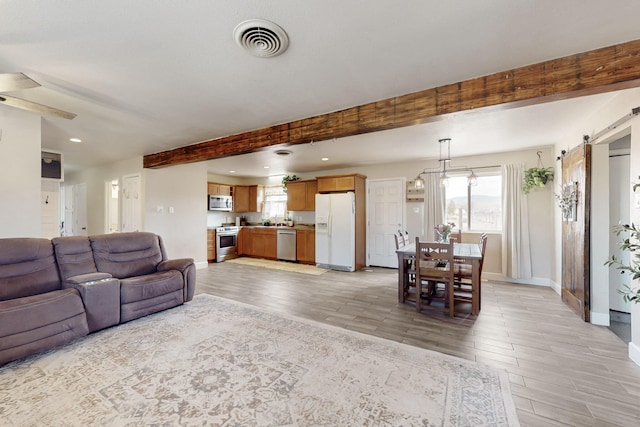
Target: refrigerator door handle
[329,224]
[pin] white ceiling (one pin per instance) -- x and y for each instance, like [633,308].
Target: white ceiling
[147,75]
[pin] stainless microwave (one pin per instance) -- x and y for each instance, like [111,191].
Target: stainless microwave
[220,203]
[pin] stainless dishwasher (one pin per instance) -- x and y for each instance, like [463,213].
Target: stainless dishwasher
[286,245]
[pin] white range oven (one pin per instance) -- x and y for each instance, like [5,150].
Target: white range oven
[226,243]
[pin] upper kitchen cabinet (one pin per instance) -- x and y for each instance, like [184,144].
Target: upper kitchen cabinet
[215,189]
[340,183]
[247,198]
[301,195]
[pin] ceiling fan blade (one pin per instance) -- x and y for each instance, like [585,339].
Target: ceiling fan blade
[16,81]
[33,106]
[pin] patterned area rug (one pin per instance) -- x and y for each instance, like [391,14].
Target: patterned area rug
[278,265]
[219,362]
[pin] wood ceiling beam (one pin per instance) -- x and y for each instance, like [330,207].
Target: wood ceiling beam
[597,71]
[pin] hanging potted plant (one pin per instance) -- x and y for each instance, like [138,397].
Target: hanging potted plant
[537,177]
[287,179]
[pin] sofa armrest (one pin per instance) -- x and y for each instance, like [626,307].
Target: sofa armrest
[180,264]
[100,295]
[84,278]
[188,270]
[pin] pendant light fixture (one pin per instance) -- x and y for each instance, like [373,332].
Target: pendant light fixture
[445,160]
[473,179]
[444,179]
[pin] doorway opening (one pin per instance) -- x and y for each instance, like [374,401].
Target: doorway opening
[112,192]
[620,195]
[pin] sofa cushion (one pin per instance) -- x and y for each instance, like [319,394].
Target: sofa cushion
[74,256]
[27,267]
[38,322]
[150,286]
[126,254]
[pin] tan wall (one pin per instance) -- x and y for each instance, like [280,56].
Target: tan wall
[540,203]
[20,171]
[184,189]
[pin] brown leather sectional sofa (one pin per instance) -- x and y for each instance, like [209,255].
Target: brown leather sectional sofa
[53,291]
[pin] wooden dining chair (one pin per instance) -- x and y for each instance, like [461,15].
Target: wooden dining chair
[405,237]
[456,236]
[399,240]
[409,280]
[434,276]
[463,291]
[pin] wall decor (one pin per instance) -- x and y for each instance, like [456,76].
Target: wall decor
[568,201]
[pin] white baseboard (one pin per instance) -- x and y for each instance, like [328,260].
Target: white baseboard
[634,353]
[201,264]
[602,319]
[535,281]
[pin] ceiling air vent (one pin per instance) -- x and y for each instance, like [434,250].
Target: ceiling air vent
[261,38]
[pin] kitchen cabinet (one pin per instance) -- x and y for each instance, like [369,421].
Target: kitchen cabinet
[244,241]
[306,246]
[301,195]
[258,242]
[247,198]
[265,243]
[211,244]
[215,189]
[340,183]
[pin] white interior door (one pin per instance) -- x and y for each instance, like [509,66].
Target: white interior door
[619,211]
[50,209]
[386,216]
[80,209]
[131,203]
[69,218]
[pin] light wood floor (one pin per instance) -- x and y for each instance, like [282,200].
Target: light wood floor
[563,371]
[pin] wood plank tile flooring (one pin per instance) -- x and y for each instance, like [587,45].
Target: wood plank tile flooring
[563,371]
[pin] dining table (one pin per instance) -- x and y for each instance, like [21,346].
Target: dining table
[467,253]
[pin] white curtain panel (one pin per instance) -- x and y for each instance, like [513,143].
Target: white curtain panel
[433,205]
[516,251]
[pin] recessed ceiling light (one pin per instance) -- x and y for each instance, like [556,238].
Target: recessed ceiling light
[266,167]
[324,159]
[75,140]
[232,171]
[283,153]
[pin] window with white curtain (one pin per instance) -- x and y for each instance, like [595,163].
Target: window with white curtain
[275,203]
[475,207]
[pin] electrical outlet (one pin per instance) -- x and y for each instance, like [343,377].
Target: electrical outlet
[171,209]
[160,209]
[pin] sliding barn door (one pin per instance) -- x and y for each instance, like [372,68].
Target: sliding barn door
[576,179]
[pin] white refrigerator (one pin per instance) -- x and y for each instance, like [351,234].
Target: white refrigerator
[336,231]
